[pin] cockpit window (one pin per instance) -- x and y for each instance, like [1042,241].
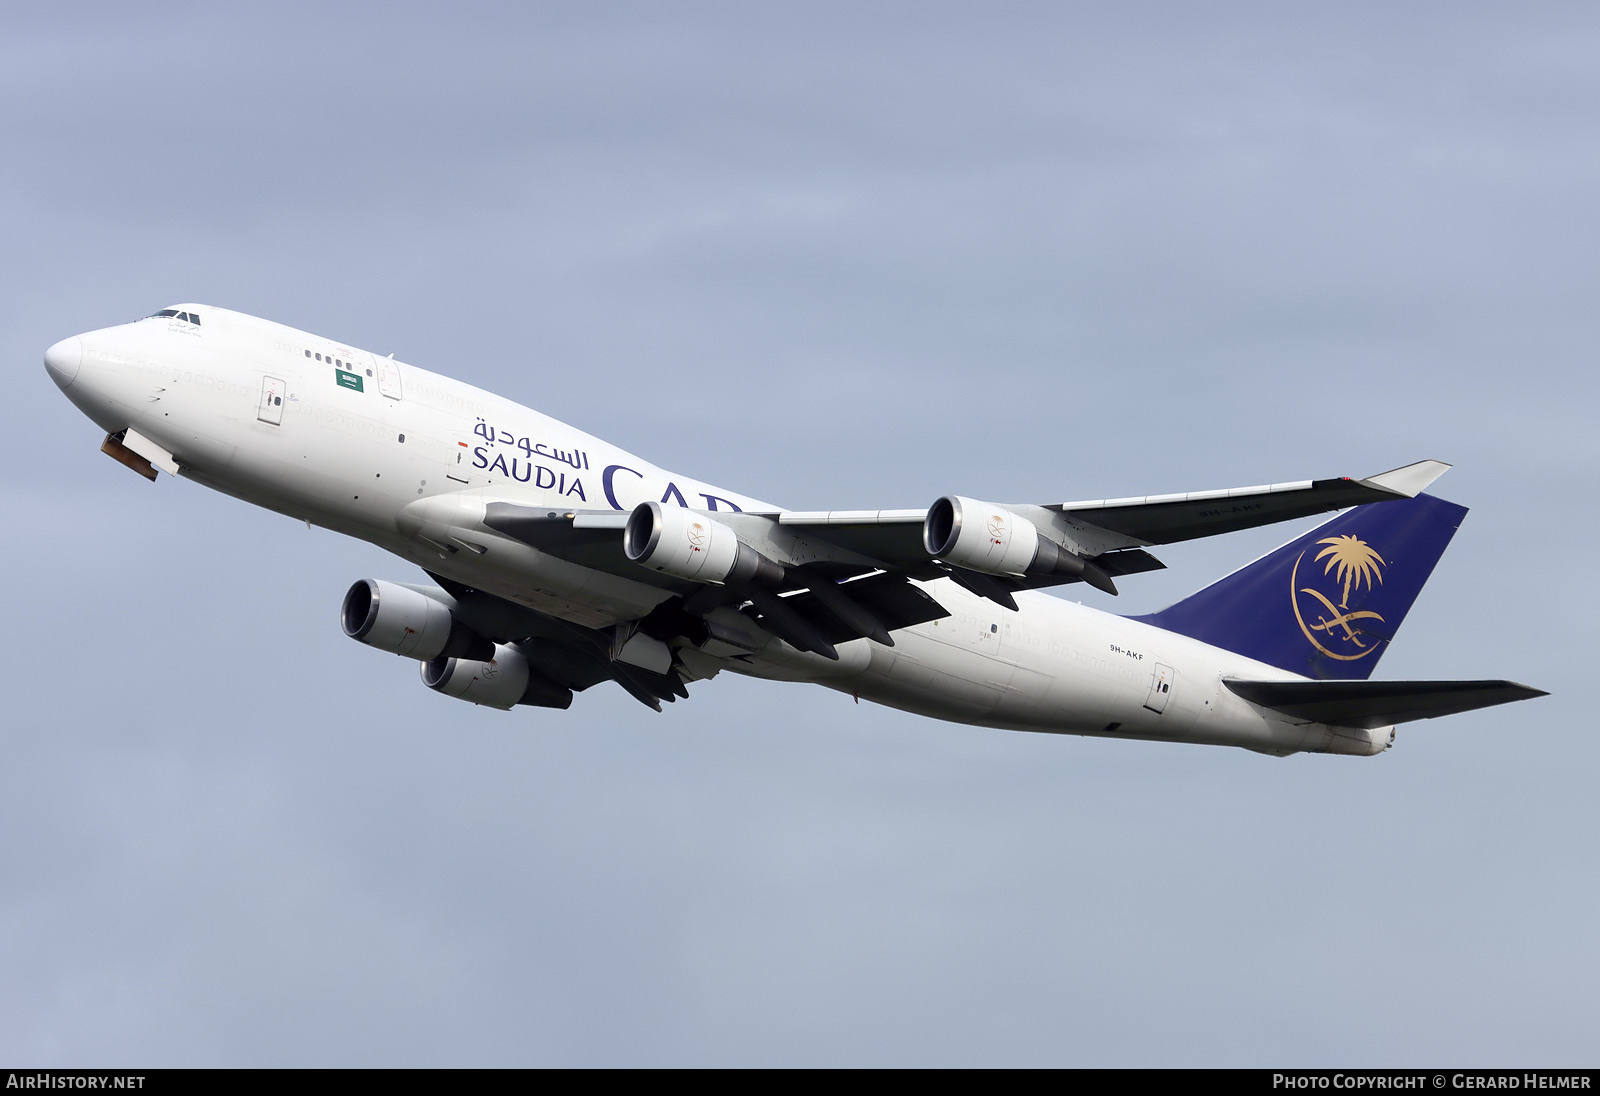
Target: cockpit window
[174,314]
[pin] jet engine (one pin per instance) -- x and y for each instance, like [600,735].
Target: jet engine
[981,536]
[687,544]
[502,681]
[399,620]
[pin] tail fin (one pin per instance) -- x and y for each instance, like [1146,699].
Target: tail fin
[1325,605]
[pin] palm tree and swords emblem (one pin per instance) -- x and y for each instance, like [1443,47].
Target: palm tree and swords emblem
[1355,564]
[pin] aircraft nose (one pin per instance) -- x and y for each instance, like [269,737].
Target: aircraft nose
[61,361]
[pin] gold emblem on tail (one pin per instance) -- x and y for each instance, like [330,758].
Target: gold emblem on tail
[1354,565]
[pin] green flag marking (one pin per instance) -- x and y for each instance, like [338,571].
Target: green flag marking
[348,380]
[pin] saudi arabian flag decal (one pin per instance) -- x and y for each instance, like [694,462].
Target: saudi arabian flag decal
[348,380]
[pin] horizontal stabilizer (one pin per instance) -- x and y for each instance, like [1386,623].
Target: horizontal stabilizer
[1371,704]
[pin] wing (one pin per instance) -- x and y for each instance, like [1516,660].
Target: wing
[818,579]
[1167,519]
[1108,525]
[1108,535]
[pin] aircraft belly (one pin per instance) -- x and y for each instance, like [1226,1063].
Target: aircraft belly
[777,661]
[938,677]
[1063,668]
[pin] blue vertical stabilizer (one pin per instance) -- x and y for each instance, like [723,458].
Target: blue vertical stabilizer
[1325,605]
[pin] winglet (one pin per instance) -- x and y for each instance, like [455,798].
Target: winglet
[1409,481]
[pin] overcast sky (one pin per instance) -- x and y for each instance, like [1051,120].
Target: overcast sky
[852,255]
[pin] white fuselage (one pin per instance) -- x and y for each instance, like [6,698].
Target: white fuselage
[402,457]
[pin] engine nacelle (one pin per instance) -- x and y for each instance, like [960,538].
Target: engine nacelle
[401,621]
[981,536]
[687,544]
[502,681]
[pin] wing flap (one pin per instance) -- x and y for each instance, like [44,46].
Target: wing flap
[891,600]
[1369,704]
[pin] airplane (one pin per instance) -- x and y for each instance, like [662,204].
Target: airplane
[558,561]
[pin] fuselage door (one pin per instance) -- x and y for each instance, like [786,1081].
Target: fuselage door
[1160,688]
[270,409]
[459,460]
[388,376]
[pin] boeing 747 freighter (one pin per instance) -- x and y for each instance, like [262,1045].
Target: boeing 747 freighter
[557,561]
